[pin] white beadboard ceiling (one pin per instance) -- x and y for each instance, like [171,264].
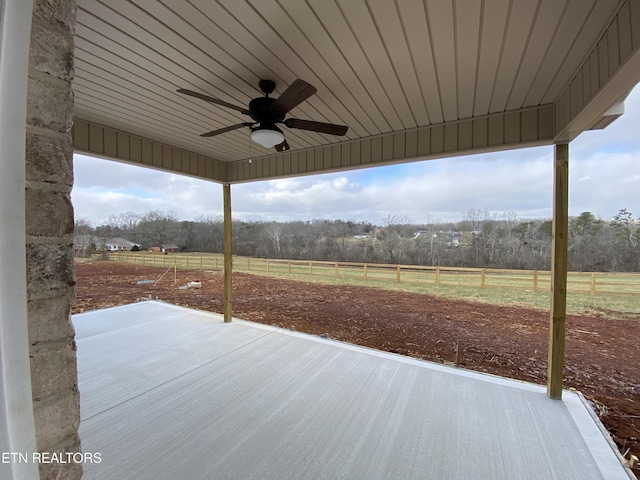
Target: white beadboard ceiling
[380,66]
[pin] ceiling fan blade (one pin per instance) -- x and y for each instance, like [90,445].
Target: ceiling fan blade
[282,147]
[226,129]
[295,94]
[209,99]
[329,128]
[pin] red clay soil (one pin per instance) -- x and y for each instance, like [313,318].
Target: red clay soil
[602,354]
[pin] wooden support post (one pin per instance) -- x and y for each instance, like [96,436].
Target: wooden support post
[228,259]
[592,290]
[365,271]
[560,228]
[535,280]
[398,274]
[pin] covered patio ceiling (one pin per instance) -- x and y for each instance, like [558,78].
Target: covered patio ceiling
[412,79]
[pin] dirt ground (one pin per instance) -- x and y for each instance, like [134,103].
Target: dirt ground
[602,355]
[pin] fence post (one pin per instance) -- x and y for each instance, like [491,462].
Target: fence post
[248,264]
[438,276]
[483,273]
[200,263]
[535,280]
[398,274]
[365,270]
[337,275]
[593,283]
[310,268]
[289,266]
[267,265]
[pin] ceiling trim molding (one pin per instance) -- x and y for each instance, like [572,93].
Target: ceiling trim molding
[514,129]
[98,140]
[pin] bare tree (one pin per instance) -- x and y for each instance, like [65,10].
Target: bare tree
[157,228]
[477,223]
[273,232]
[476,218]
[83,236]
[627,231]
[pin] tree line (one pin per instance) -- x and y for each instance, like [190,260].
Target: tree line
[480,239]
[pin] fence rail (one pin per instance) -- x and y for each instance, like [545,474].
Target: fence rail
[591,283]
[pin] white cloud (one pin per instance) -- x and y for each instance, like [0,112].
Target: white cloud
[103,188]
[423,191]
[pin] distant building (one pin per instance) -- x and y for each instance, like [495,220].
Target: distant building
[118,244]
[170,248]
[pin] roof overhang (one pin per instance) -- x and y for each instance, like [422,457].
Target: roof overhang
[413,80]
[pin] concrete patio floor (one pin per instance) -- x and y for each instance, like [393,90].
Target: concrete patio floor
[169,392]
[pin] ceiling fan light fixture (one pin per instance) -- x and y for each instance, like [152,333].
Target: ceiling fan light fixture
[267,137]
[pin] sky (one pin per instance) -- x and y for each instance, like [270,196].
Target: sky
[604,177]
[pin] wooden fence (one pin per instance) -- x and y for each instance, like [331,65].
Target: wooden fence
[533,280]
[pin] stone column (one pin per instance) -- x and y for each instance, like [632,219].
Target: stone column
[49,234]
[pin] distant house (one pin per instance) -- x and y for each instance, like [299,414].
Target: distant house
[170,248]
[118,244]
[454,243]
[154,249]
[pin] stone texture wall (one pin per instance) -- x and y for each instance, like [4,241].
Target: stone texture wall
[49,234]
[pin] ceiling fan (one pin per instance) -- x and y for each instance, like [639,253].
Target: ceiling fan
[266,112]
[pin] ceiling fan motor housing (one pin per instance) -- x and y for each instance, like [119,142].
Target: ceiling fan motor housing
[267,86]
[260,110]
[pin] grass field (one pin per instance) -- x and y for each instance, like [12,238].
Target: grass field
[615,295]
